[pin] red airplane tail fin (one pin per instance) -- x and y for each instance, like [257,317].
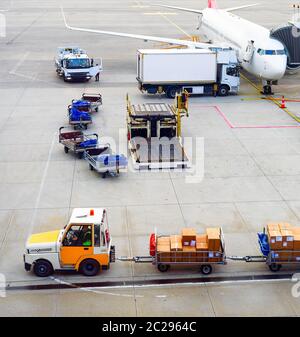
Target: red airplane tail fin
[212,4]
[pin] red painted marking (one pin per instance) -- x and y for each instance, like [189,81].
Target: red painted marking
[232,126]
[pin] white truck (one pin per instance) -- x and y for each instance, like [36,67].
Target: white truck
[197,71]
[73,63]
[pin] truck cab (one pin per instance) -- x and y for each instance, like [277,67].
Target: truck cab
[73,63]
[84,245]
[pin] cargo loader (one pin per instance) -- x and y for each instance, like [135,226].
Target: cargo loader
[196,71]
[154,134]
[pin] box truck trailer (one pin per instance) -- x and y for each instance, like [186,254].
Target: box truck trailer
[197,71]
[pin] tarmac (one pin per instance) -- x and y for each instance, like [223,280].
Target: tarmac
[251,167]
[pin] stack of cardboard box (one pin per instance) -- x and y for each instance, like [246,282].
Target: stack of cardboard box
[163,247]
[202,248]
[176,248]
[214,244]
[284,239]
[189,245]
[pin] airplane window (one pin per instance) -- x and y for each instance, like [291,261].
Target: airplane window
[280,52]
[270,52]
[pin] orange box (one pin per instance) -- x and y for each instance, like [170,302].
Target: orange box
[214,257]
[295,230]
[283,256]
[272,227]
[214,239]
[275,240]
[188,237]
[189,254]
[285,226]
[297,242]
[176,243]
[287,239]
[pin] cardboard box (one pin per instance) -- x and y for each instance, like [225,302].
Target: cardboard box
[296,256]
[214,239]
[295,230]
[275,240]
[272,227]
[163,249]
[189,254]
[214,257]
[284,226]
[282,256]
[188,237]
[287,239]
[176,243]
[297,242]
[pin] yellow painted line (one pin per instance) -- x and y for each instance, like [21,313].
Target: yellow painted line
[175,25]
[278,103]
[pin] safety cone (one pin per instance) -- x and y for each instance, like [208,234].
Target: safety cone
[283,106]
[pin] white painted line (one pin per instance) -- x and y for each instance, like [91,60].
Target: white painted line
[18,65]
[92,290]
[160,13]
[38,199]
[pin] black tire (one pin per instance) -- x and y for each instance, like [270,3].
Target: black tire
[223,90]
[171,92]
[85,126]
[274,267]
[206,269]
[91,168]
[66,149]
[163,267]
[80,155]
[89,267]
[43,268]
[96,109]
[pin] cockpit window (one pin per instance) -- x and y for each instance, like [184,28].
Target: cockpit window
[271,52]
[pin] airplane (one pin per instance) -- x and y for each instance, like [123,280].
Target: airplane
[257,52]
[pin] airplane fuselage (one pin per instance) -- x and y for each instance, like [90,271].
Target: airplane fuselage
[269,59]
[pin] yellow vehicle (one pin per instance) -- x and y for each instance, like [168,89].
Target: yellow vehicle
[84,245]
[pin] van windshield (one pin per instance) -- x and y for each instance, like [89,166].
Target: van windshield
[78,63]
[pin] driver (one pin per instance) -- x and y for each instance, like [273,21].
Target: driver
[86,236]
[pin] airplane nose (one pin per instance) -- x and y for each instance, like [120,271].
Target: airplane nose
[275,70]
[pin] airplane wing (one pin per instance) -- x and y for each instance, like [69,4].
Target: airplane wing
[232,9]
[197,11]
[189,44]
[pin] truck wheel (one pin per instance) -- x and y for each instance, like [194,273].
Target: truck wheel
[80,155]
[89,267]
[43,268]
[66,150]
[91,167]
[171,92]
[223,90]
[206,269]
[163,267]
[275,267]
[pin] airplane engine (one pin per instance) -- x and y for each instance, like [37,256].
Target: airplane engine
[289,36]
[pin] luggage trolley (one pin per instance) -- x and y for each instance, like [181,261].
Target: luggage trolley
[95,101]
[77,141]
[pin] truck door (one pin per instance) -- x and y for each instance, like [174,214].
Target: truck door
[102,241]
[77,242]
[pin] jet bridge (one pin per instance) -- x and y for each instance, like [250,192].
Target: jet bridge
[289,36]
